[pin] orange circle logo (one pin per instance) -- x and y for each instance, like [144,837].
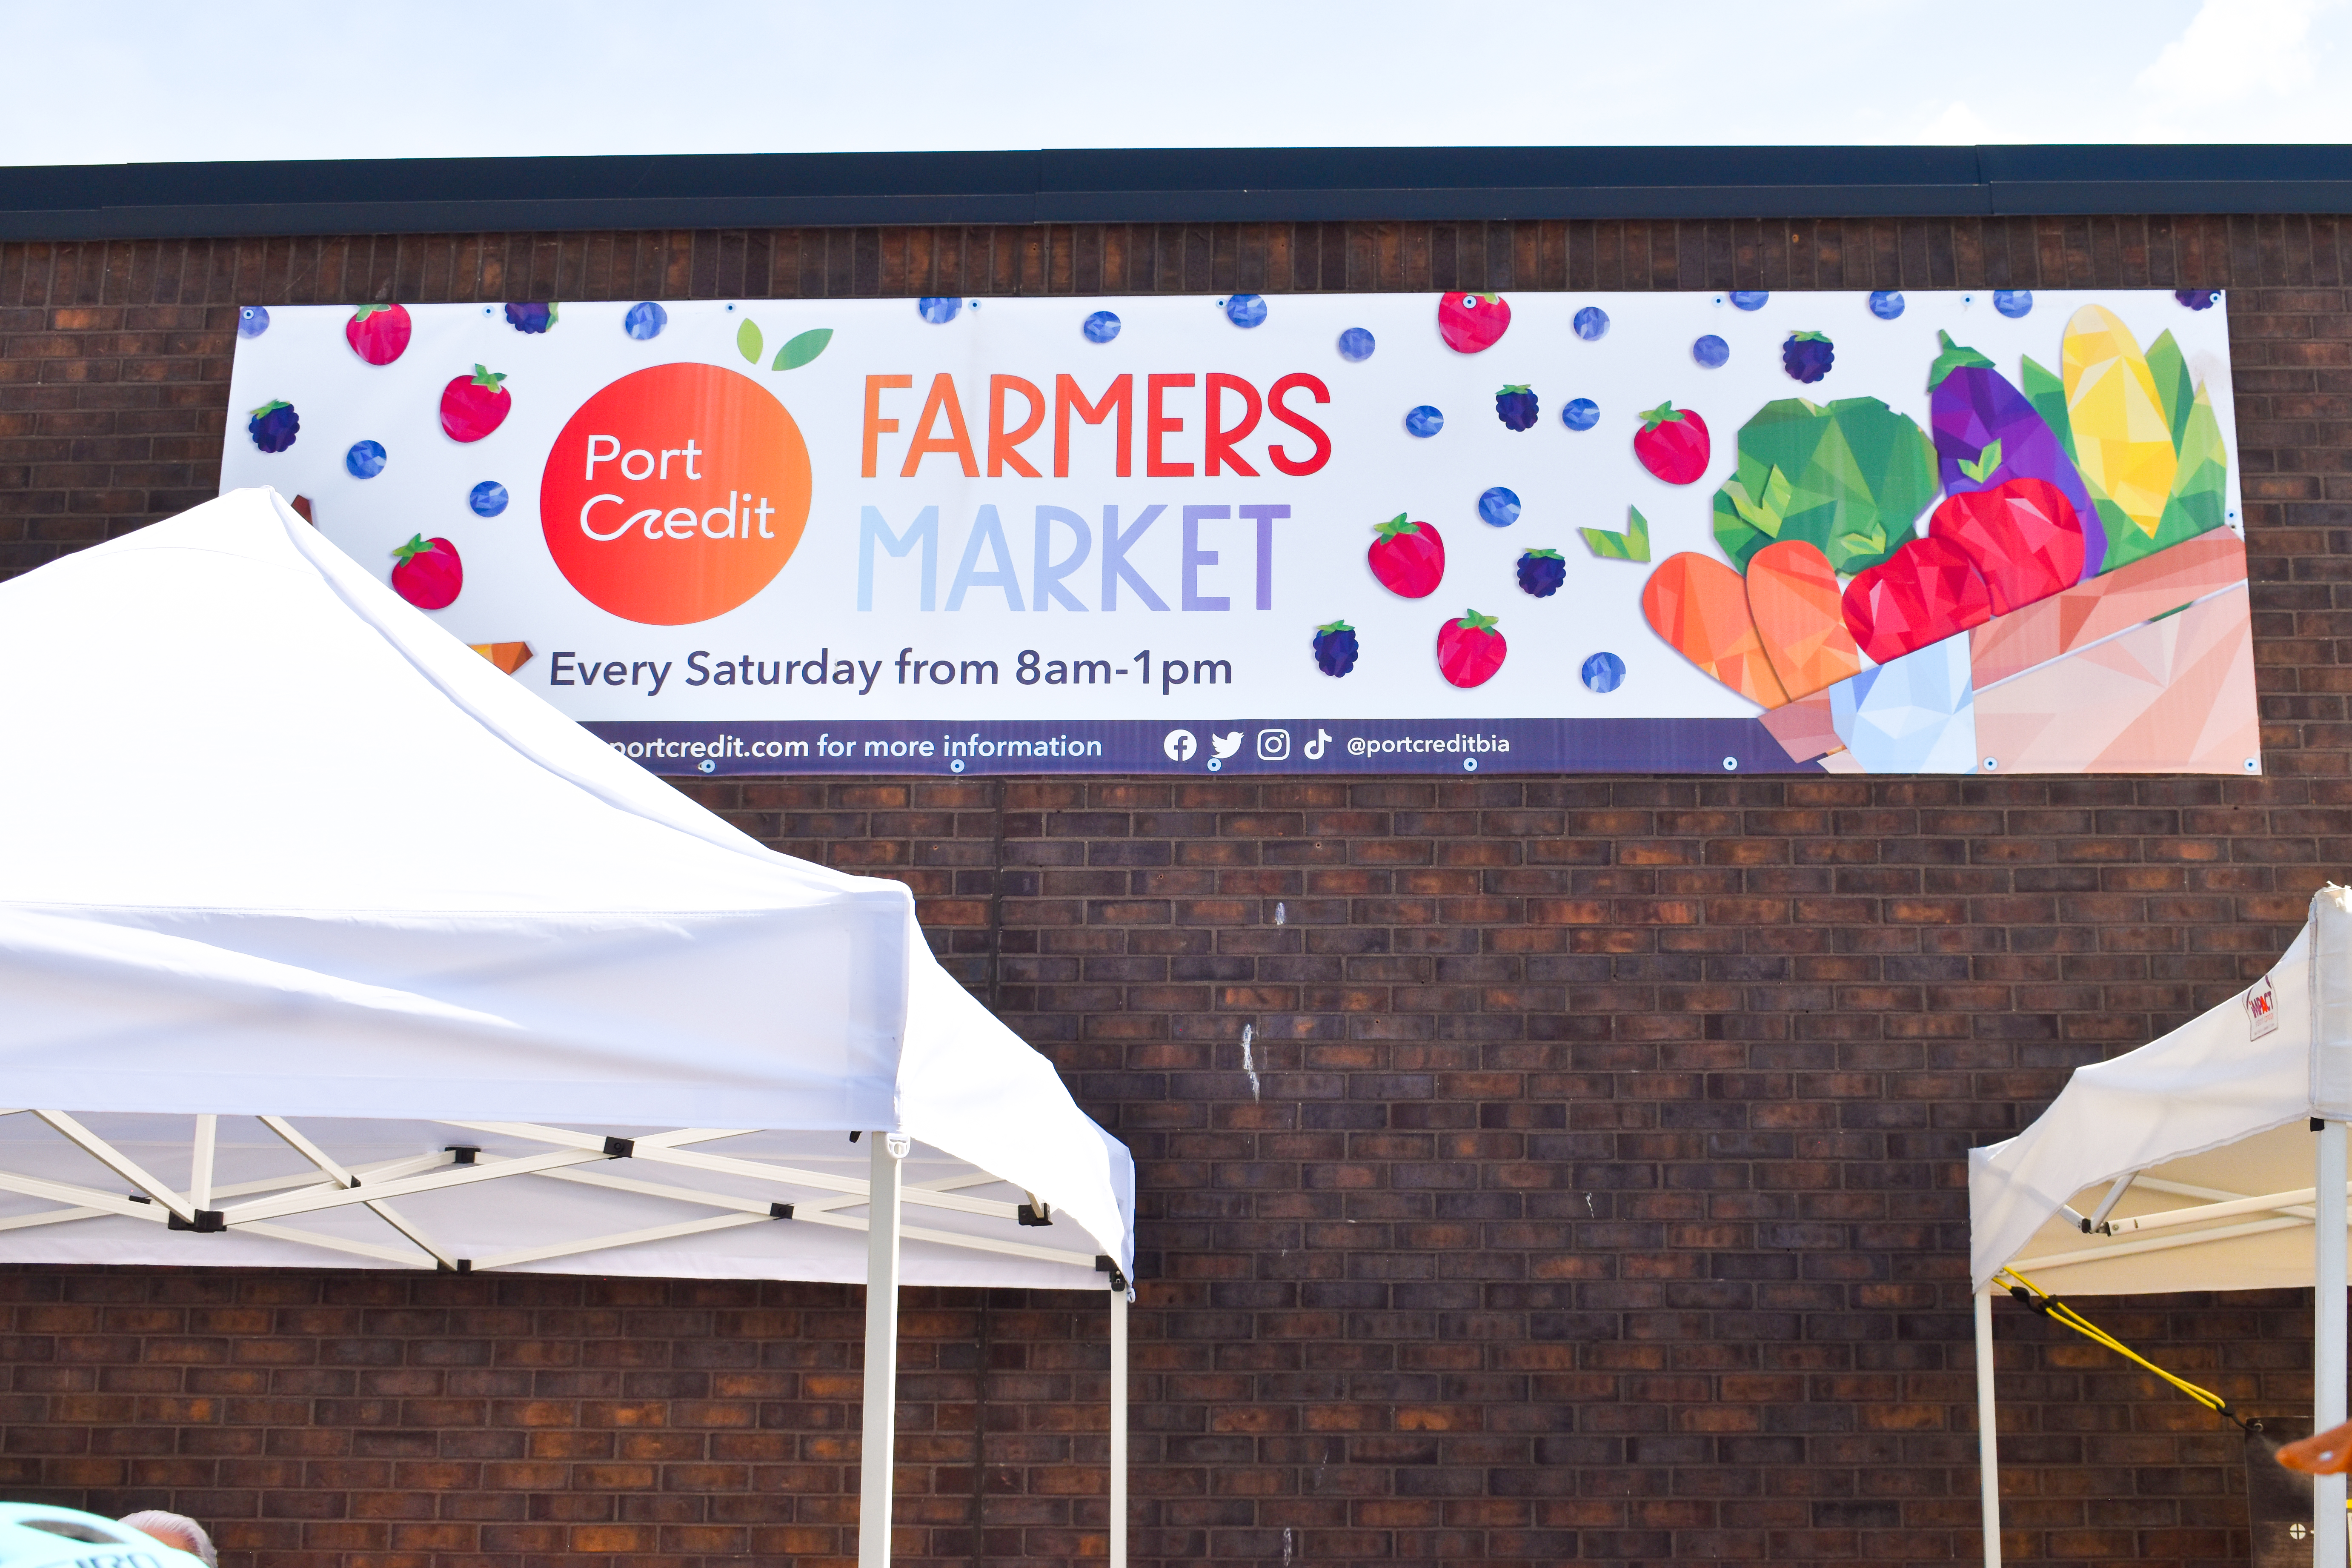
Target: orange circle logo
[675,494]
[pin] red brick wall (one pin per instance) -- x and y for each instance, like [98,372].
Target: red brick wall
[1602,1196]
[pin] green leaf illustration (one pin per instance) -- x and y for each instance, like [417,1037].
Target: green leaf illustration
[1634,544]
[802,349]
[1762,515]
[1859,541]
[1985,463]
[2199,495]
[747,340]
[2170,370]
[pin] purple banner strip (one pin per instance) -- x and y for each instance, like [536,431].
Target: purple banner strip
[1206,746]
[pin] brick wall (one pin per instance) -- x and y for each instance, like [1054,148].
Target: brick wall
[1600,1196]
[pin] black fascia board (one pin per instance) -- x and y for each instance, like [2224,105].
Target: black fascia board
[1157,186]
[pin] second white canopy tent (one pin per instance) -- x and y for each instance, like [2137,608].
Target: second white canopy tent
[2213,1159]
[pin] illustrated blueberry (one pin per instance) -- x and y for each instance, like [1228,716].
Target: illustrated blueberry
[532,315]
[645,321]
[1515,405]
[1355,345]
[1592,323]
[1335,648]
[273,425]
[1100,327]
[938,310]
[364,460]
[1246,310]
[1711,351]
[1425,421]
[2198,299]
[487,498]
[1885,304]
[1499,507]
[1604,672]
[1749,298]
[252,321]
[1581,414]
[2012,302]
[1541,571]
[1807,357]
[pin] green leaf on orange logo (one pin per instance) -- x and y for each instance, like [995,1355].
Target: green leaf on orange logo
[802,349]
[747,340]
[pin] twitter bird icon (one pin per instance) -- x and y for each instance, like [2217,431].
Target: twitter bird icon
[1225,746]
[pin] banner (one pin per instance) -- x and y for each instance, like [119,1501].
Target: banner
[1739,533]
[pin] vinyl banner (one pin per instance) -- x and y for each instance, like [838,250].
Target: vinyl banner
[1947,533]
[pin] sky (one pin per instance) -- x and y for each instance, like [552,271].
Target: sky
[429,78]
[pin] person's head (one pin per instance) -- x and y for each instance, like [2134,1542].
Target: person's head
[176,1531]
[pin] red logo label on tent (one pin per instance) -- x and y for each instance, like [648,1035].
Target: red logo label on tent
[2262,1010]
[675,494]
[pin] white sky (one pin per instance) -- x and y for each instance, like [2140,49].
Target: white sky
[145,81]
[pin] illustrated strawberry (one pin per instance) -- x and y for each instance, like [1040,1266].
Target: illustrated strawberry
[1335,648]
[1671,444]
[1541,571]
[378,333]
[1472,323]
[474,406]
[1409,558]
[532,316]
[1516,407]
[1470,650]
[273,427]
[429,573]
[1807,357]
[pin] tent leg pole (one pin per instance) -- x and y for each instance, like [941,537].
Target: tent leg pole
[1118,1426]
[2328,1365]
[878,1450]
[1988,1441]
[200,1163]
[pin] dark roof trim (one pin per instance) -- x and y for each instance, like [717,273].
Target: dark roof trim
[1301,184]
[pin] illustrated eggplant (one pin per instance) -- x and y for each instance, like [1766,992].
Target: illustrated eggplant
[1986,433]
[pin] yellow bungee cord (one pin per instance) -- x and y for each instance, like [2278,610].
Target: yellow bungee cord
[2040,1300]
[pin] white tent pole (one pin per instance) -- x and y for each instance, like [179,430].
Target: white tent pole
[1988,1441]
[1118,1426]
[880,1449]
[2327,1366]
[200,1163]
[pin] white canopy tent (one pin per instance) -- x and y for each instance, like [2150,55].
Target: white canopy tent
[2213,1159]
[323,942]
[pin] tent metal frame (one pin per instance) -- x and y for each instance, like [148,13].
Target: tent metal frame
[2321,1206]
[567,1155]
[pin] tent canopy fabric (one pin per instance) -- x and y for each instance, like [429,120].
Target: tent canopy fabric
[2213,1159]
[2209,1124]
[280,847]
